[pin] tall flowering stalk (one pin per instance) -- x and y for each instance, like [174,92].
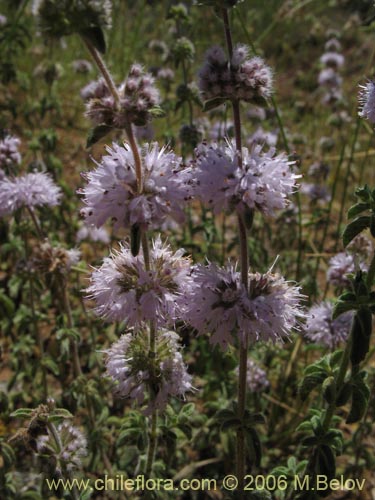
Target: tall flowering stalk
[252,306]
[138,188]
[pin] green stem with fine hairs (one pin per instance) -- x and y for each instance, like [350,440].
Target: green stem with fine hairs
[244,260]
[346,182]
[53,431]
[103,69]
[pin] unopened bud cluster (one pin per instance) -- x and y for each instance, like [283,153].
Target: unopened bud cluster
[137,98]
[244,78]
[64,17]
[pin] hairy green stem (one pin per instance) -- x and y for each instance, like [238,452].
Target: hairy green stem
[70,322]
[346,182]
[371,273]
[58,442]
[103,69]
[244,259]
[137,159]
[330,205]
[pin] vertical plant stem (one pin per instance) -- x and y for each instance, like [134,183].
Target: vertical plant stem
[37,334]
[137,159]
[152,439]
[58,442]
[69,316]
[326,225]
[346,182]
[36,223]
[244,258]
[103,69]
[152,443]
[38,338]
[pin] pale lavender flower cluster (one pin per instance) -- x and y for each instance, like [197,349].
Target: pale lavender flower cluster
[329,78]
[244,78]
[9,151]
[92,233]
[320,328]
[316,192]
[264,182]
[82,66]
[220,305]
[256,377]
[29,190]
[263,137]
[367,101]
[54,259]
[340,266]
[138,97]
[124,290]
[136,374]
[69,452]
[111,191]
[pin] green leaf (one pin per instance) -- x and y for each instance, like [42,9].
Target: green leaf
[341,307]
[372,225]
[231,423]
[326,461]
[310,382]
[60,413]
[357,209]
[135,239]
[254,446]
[362,329]
[7,303]
[360,397]
[309,441]
[363,193]
[354,228]
[49,363]
[329,389]
[96,134]
[95,35]
[344,394]
[223,415]
[8,455]
[213,103]
[157,112]
[22,413]
[31,495]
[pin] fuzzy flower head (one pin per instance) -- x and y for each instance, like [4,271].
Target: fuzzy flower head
[54,260]
[111,191]
[125,291]
[366,100]
[137,375]
[9,153]
[58,18]
[92,233]
[256,377]
[332,60]
[320,328]
[220,305]
[316,192]
[340,266]
[82,66]
[138,95]
[30,190]
[73,447]
[264,182]
[244,78]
